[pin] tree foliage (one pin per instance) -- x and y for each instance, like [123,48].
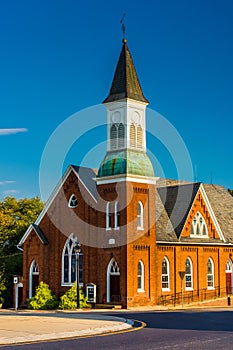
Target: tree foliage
[44,298]
[230,191]
[15,217]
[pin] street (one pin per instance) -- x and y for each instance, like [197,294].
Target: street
[191,329]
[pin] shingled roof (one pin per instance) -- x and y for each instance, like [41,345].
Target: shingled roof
[177,201]
[125,82]
[222,204]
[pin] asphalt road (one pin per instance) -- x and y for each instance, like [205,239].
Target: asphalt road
[165,330]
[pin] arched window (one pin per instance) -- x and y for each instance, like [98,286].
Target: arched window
[188,274]
[132,136]
[165,274]
[113,137]
[33,278]
[140,216]
[121,136]
[140,276]
[139,137]
[210,274]
[108,217]
[69,262]
[73,202]
[116,216]
[198,227]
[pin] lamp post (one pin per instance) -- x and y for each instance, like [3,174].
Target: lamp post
[182,274]
[77,249]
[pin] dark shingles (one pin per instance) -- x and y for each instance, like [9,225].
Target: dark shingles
[177,201]
[222,204]
[87,176]
[40,234]
[125,82]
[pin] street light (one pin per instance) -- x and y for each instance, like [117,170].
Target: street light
[182,274]
[77,249]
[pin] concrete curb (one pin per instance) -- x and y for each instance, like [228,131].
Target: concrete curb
[90,329]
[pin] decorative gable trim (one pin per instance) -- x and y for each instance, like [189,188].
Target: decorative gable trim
[57,189]
[39,233]
[211,212]
[49,203]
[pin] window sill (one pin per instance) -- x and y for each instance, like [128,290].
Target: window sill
[141,291]
[116,228]
[189,289]
[70,284]
[166,289]
[108,228]
[210,288]
[140,228]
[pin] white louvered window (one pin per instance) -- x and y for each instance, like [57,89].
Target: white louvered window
[113,137]
[139,137]
[132,136]
[121,136]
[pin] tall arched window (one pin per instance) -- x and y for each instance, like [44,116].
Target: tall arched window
[113,137]
[165,274]
[140,216]
[139,136]
[69,262]
[140,276]
[108,217]
[132,136]
[198,227]
[116,216]
[121,136]
[33,278]
[188,274]
[210,274]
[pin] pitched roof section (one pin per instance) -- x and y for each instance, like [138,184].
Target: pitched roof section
[222,204]
[87,176]
[177,201]
[125,82]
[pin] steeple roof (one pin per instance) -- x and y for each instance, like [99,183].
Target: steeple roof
[125,82]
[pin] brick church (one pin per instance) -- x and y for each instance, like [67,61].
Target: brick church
[143,239]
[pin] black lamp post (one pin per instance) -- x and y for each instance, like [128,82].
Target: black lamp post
[77,249]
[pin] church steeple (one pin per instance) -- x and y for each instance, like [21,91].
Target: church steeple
[125,82]
[126,123]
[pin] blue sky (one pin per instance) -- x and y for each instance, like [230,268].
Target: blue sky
[58,57]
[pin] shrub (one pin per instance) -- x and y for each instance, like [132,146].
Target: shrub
[44,298]
[69,299]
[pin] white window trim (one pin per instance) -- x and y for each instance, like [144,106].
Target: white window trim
[31,273]
[142,289]
[191,266]
[74,242]
[168,274]
[70,200]
[108,227]
[109,273]
[197,216]
[210,274]
[116,218]
[140,216]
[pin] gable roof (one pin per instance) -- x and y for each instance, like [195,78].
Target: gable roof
[125,82]
[164,229]
[222,204]
[39,233]
[177,201]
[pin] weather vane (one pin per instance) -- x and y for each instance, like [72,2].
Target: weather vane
[123,24]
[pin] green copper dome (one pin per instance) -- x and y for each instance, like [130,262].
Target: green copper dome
[126,162]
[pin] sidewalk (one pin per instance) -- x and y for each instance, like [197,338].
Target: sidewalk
[23,327]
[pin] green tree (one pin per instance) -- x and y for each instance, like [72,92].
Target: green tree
[15,217]
[230,191]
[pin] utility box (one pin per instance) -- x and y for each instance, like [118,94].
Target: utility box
[91,293]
